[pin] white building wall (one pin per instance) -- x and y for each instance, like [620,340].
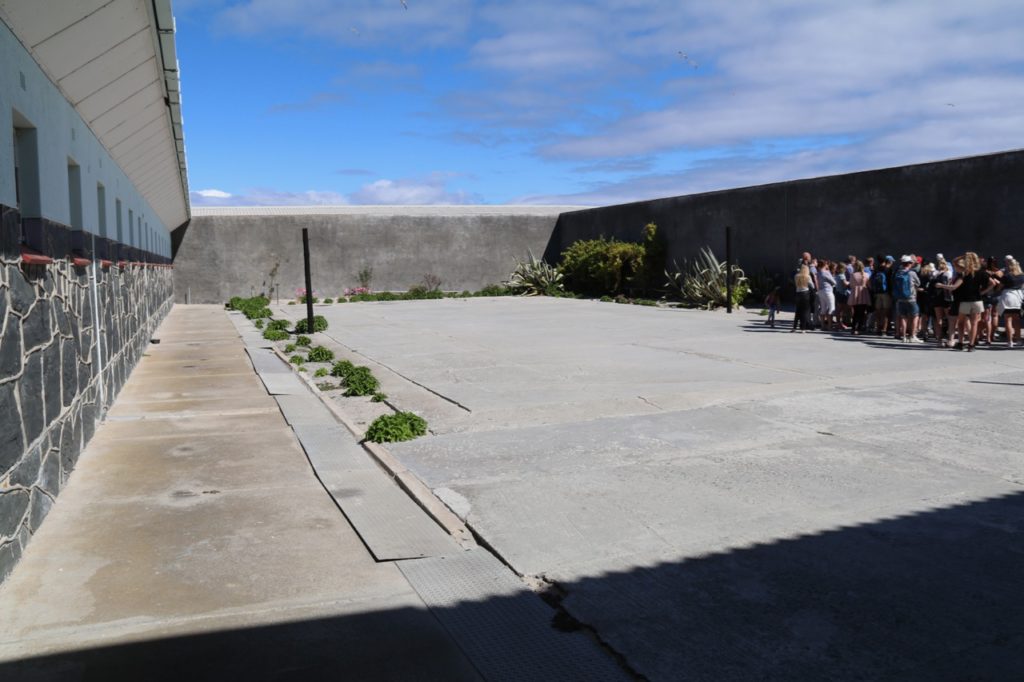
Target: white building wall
[61,133]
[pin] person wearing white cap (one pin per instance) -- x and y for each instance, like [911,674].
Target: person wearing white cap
[1011,299]
[905,285]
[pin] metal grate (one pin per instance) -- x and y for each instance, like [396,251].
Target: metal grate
[266,361]
[332,449]
[304,408]
[283,384]
[391,525]
[501,626]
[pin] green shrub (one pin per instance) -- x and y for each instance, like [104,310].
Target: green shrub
[360,381]
[328,300]
[365,276]
[296,359]
[535,278]
[607,299]
[290,348]
[319,325]
[259,324]
[392,428]
[272,334]
[327,386]
[320,354]
[603,266]
[419,292]
[291,302]
[253,308]
[302,340]
[379,397]
[278,324]
[322,372]
[703,282]
[493,290]
[341,368]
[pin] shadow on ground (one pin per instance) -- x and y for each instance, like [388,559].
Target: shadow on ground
[937,595]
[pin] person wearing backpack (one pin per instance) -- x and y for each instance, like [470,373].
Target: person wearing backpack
[906,284]
[881,296]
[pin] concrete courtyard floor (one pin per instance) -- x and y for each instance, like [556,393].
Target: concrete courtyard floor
[193,541]
[720,500]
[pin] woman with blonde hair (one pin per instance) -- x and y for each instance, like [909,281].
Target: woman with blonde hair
[969,289]
[803,299]
[1011,298]
[941,300]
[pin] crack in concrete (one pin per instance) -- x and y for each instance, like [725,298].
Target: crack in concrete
[651,403]
[399,374]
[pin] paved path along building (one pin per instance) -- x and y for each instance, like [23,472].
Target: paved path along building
[194,540]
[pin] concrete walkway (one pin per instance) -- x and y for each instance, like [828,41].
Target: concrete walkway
[194,541]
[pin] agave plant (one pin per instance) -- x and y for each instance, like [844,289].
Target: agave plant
[703,282]
[534,277]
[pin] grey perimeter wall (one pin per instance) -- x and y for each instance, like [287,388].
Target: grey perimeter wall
[233,255]
[947,207]
[50,383]
[975,203]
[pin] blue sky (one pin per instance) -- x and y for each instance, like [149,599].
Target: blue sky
[591,103]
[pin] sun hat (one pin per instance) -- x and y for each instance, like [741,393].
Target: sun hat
[906,259]
[889,258]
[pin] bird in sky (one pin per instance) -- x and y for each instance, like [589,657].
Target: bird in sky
[404,4]
[686,58]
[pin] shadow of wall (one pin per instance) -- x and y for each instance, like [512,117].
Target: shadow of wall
[935,595]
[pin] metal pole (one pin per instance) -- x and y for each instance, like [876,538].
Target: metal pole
[728,269]
[309,280]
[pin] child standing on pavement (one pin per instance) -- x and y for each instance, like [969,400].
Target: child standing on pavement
[771,302]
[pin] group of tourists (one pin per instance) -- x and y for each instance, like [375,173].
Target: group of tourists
[958,303]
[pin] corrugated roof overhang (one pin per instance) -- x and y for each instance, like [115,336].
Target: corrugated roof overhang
[115,61]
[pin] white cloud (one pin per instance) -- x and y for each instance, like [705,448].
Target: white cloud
[426,23]
[432,189]
[212,194]
[784,88]
[792,69]
[268,197]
